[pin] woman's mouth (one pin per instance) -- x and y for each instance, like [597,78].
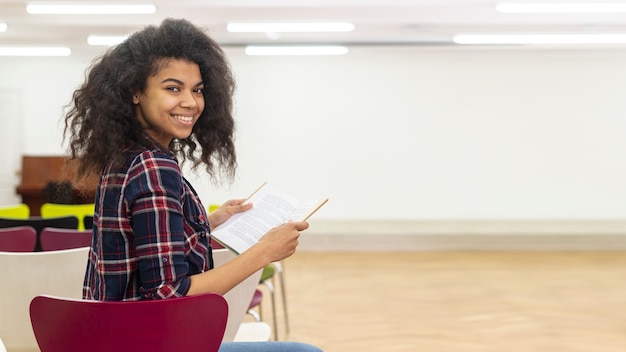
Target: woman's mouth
[183,118]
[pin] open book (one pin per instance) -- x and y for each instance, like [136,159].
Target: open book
[271,207]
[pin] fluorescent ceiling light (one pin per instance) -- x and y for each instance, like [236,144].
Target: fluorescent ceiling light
[539,38]
[511,7]
[64,8]
[290,27]
[106,39]
[296,50]
[34,51]
[3,27]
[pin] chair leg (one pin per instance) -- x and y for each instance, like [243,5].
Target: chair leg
[279,269]
[255,315]
[270,288]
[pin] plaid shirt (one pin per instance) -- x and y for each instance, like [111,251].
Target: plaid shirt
[150,231]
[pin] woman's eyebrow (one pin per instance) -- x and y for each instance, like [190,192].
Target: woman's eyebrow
[179,82]
[172,80]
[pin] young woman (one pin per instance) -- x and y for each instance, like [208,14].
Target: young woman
[162,95]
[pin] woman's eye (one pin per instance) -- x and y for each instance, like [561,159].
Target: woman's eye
[198,90]
[173,89]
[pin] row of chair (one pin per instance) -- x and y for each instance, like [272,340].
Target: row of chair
[50,283]
[38,224]
[16,235]
[59,233]
[84,212]
[16,219]
[24,238]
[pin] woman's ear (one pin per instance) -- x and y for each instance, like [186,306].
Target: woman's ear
[135,98]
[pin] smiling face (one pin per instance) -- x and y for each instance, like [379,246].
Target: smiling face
[172,102]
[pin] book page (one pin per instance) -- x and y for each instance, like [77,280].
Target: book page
[271,207]
[306,209]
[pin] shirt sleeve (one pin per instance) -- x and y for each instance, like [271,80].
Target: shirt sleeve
[154,194]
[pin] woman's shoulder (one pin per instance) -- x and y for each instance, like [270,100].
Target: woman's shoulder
[151,158]
[151,172]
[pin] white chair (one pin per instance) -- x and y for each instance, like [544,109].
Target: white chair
[238,301]
[58,273]
[253,331]
[2,348]
[61,273]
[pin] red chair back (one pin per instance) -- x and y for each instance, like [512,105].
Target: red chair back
[54,239]
[18,239]
[215,244]
[185,324]
[38,223]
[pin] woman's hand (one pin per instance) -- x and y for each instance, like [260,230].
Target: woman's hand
[226,210]
[277,244]
[281,242]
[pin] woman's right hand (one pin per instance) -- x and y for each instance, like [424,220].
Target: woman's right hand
[281,242]
[277,244]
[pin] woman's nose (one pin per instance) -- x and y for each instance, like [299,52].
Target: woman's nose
[189,99]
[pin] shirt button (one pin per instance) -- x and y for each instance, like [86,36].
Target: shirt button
[164,260]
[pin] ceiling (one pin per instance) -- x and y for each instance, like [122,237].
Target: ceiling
[378,22]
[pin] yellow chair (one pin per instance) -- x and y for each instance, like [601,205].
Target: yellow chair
[17,211]
[52,210]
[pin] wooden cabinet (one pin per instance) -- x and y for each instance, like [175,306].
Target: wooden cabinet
[39,173]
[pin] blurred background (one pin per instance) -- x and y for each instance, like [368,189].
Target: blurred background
[473,153]
[407,128]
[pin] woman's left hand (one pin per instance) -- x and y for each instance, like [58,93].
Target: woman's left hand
[226,210]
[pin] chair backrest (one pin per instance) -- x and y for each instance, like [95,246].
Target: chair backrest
[215,244]
[38,223]
[16,211]
[18,239]
[239,297]
[88,222]
[26,275]
[53,210]
[54,239]
[184,324]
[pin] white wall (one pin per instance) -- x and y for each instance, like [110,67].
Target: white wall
[405,133]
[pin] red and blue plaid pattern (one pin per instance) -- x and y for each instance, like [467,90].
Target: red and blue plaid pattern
[150,231]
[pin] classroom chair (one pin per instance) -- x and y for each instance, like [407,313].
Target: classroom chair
[267,279]
[257,298]
[183,324]
[51,210]
[38,223]
[28,275]
[16,211]
[54,239]
[18,239]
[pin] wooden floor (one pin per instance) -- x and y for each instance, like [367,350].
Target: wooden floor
[460,302]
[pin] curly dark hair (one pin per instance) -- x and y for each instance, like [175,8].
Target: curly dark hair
[100,122]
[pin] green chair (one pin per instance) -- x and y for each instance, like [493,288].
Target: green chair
[53,210]
[17,211]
